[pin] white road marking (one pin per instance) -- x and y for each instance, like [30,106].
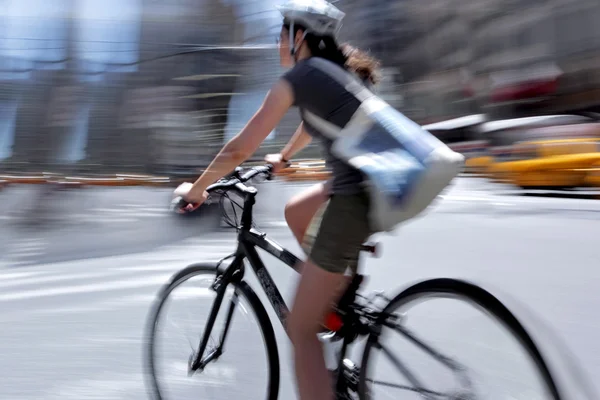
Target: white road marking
[72,277]
[466,198]
[109,387]
[23,248]
[110,274]
[152,280]
[16,275]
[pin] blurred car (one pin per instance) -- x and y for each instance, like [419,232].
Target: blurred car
[558,163]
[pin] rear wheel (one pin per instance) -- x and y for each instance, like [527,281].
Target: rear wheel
[489,368]
[220,378]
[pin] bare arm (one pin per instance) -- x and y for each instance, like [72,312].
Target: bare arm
[299,140]
[243,145]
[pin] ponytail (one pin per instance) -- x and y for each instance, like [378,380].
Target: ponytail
[361,63]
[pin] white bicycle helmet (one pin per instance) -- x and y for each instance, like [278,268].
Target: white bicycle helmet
[318,16]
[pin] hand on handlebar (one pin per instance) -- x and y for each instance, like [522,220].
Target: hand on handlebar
[186,199]
[276,160]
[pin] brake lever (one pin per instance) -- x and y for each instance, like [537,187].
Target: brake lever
[271,175]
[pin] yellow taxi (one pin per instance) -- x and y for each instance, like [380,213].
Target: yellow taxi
[558,163]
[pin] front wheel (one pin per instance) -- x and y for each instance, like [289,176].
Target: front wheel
[243,368]
[464,359]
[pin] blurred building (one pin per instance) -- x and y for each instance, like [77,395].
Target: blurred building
[158,86]
[504,58]
[34,57]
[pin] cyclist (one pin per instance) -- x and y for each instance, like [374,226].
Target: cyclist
[329,220]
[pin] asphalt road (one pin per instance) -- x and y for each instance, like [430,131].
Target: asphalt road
[76,291]
[94,222]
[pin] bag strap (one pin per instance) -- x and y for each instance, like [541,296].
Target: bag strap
[342,76]
[346,79]
[325,127]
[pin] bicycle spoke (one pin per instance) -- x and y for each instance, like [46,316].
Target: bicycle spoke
[457,362]
[171,376]
[447,361]
[404,370]
[186,336]
[409,388]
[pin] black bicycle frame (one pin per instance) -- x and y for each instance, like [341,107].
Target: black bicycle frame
[248,239]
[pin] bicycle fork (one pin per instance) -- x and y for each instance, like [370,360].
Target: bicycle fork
[197,361]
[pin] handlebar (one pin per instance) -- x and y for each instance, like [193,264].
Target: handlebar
[235,182]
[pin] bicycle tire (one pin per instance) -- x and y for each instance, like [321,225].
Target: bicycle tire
[474,294]
[246,291]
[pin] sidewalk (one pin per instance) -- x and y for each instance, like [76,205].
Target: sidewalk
[75,181]
[300,170]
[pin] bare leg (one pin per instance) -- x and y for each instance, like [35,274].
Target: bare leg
[317,292]
[300,210]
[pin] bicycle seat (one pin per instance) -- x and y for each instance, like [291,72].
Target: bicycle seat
[371,247]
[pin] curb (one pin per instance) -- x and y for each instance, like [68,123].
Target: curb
[8,179]
[75,181]
[119,181]
[296,172]
[301,170]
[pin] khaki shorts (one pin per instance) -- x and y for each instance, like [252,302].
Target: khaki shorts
[337,231]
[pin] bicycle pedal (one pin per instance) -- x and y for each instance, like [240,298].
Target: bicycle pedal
[351,374]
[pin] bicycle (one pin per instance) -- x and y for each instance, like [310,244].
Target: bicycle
[356,316]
